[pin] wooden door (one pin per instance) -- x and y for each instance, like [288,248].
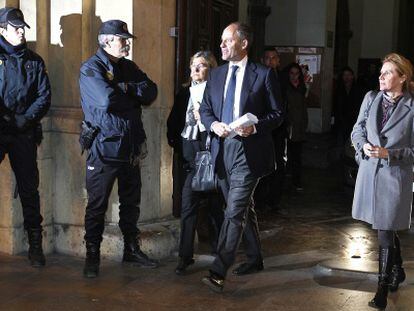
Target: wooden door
[200,24]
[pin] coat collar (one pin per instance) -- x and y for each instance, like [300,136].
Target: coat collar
[404,106]
[101,54]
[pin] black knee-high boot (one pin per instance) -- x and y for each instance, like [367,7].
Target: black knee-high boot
[398,273]
[386,258]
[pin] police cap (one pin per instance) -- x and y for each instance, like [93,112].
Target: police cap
[115,27]
[13,16]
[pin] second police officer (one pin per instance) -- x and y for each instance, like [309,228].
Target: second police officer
[24,100]
[112,90]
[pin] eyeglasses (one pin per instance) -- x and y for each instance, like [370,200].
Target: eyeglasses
[198,67]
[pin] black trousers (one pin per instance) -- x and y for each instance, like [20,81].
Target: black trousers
[386,238]
[22,152]
[191,202]
[99,183]
[294,162]
[179,177]
[270,188]
[237,184]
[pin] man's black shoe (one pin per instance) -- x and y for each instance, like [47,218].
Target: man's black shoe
[91,269]
[248,268]
[182,265]
[214,283]
[138,258]
[134,255]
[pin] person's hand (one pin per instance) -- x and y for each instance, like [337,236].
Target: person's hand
[21,122]
[143,150]
[375,151]
[379,152]
[244,131]
[221,129]
[196,115]
[367,149]
[123,86]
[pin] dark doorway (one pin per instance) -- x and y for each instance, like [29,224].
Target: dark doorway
[200,23]
[405,40]
[342,35]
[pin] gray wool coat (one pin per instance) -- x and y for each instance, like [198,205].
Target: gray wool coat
[383,190]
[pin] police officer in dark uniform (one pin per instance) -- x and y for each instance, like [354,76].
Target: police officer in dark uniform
[112,91]
[24,100]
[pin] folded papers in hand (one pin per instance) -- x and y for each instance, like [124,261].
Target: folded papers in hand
[245,120]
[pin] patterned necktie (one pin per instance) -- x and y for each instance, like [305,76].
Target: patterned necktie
[227,114]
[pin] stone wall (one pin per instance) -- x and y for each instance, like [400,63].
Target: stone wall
[62,167]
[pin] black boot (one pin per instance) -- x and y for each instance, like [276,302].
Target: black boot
[386,257]
[91,268]
[398,273]
[183,263]
[133,253]
[36,256]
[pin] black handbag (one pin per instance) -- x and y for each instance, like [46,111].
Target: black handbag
[204,178]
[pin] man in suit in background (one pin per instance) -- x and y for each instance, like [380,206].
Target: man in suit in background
[272,185]
[232,90]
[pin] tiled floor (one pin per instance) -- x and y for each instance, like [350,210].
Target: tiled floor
[309,230]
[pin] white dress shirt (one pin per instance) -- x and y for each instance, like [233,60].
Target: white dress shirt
[239,81]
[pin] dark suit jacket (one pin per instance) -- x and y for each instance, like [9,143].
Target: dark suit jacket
[176,119]
[260,97]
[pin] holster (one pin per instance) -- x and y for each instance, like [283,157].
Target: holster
[87,135]
[38,133]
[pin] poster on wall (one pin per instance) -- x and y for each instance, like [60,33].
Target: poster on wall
[311,61]
[310,65]
[307,50]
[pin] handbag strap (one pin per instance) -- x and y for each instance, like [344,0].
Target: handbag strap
[366,112]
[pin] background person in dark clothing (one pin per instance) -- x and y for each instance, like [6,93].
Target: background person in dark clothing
[297,120]
[24,100]
[193,136]
[270,188]
[112,91]
[348,98]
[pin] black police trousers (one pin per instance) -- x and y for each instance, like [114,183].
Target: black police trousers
[100,179]
[22,151]
[240,220]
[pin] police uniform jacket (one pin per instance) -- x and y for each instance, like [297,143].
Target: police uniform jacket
[111,98]
[24,86]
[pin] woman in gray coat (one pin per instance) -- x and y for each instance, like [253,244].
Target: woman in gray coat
[383,137]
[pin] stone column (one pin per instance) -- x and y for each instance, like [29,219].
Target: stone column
[11,220]
[13,3]
[88,13]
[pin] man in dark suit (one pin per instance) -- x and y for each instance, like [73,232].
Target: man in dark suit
[268,193]
[233,90]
